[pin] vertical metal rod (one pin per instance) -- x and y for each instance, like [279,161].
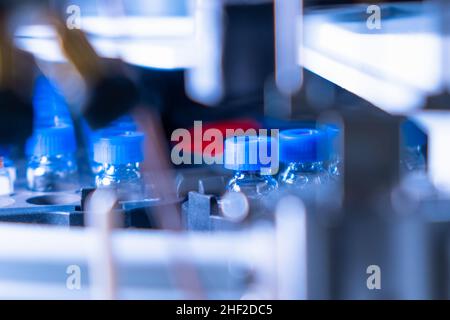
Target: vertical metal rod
[102,269]
[288,40]
[291,249]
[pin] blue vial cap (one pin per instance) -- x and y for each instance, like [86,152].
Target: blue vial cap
[51,141]
[116,128]
[119,148]
[123,123]
[49,104]
[250,153]
[302,145]
[4,151]
[412,136]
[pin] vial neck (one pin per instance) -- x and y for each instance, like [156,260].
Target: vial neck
[52,158]
[248,174]
[118,175]
[112,168]
[306,166]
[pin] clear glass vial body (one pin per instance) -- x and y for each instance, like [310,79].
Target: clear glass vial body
[6,182]
[252,183]
[112,175]
[333,167]
[9,165]
[413,159]
[125,178]
[300,175]
[52,173]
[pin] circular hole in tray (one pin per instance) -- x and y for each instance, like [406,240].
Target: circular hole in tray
[54,199]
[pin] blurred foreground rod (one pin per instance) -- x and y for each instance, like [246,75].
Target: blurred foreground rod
[78,51]
[111,94]
[288,43]
[110,90]
[158,171]
[102,264]
[17,70]
[277,266]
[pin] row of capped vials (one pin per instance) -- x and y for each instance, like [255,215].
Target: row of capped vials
[296,160]
[114,152]
[306,158]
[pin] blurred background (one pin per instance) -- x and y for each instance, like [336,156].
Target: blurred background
[133,139]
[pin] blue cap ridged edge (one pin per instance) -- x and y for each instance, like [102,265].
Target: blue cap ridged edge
[51,141]
[238,158]
[303,145]
[119,147]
